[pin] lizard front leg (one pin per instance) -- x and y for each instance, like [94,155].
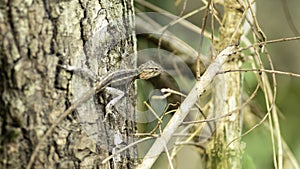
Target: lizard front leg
[117,95]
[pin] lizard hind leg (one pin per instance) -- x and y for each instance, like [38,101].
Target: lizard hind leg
[83,72]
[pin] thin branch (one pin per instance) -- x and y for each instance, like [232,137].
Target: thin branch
[198,67]
[146,24]
[125,148]
[274,113]
[262,70]
[168,156]
[228,114]
[272,98]
[153,112]
[184,23]
[165,28]
[268,42]
[185,107]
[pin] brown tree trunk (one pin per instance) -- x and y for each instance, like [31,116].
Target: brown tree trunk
[36,36]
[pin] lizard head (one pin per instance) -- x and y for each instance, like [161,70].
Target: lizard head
[149,70]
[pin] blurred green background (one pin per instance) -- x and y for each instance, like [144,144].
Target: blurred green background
[286,57]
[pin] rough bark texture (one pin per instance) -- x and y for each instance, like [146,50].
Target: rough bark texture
[226,94]
[36,36]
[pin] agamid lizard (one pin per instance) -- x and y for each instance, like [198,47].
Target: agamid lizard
[145,71]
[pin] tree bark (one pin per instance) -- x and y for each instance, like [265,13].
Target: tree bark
[226,96]
[36,36]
